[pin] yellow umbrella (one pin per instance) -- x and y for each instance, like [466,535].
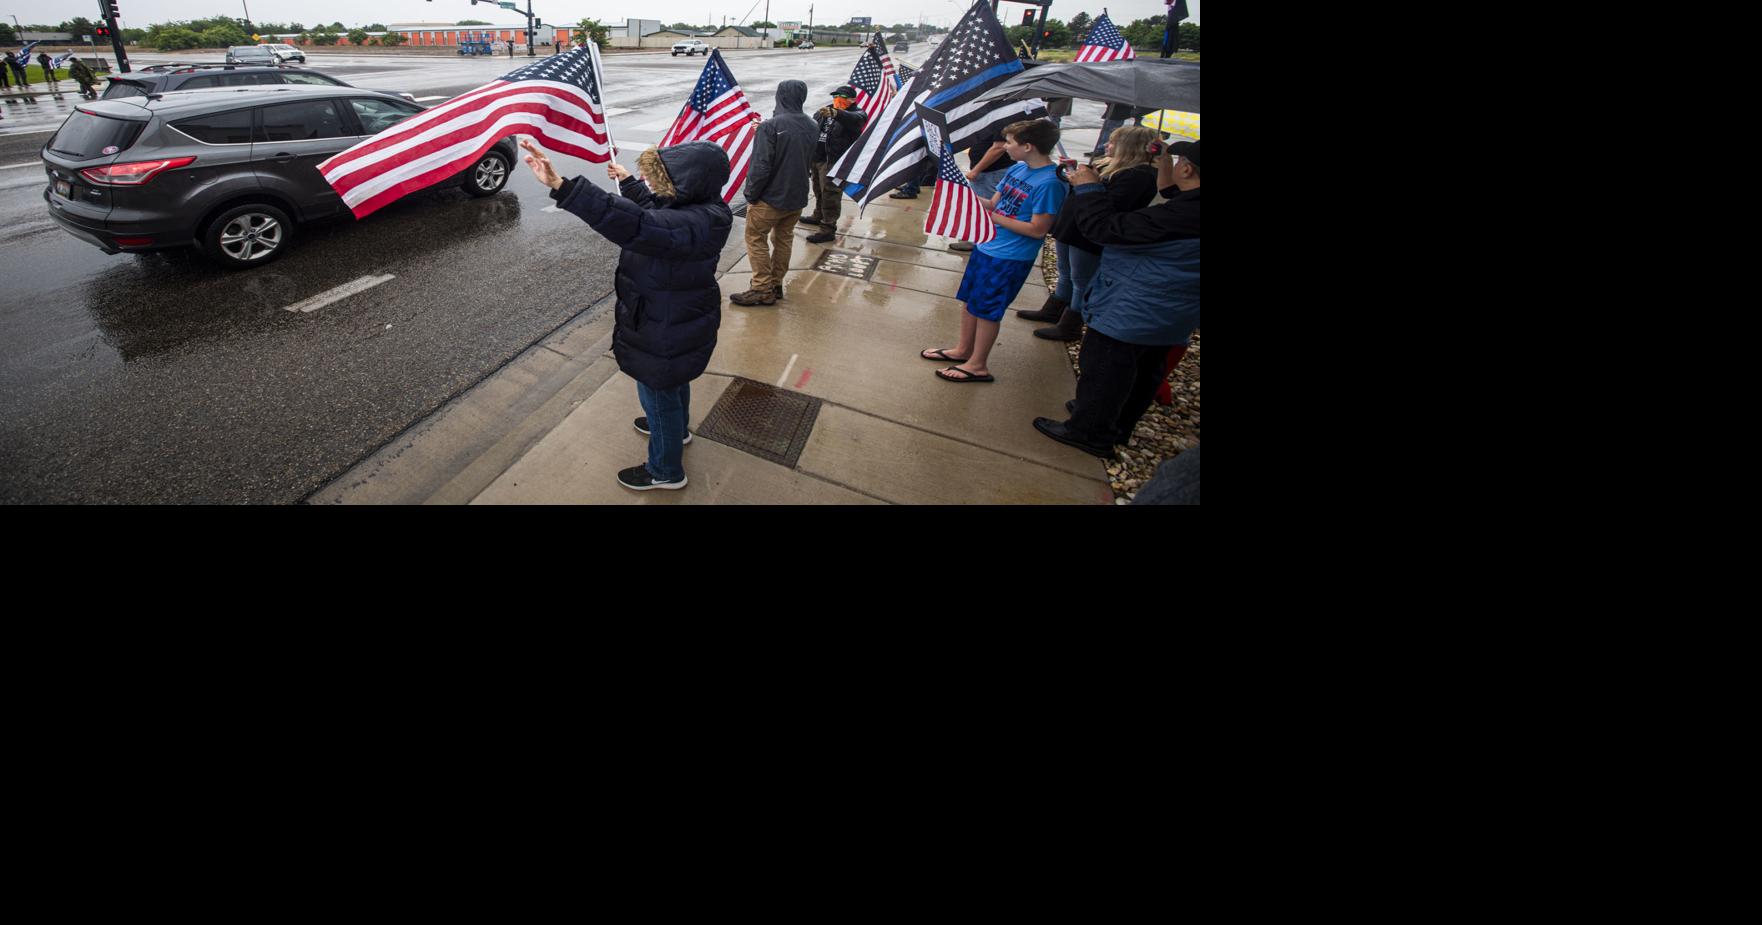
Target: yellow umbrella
[1174,122]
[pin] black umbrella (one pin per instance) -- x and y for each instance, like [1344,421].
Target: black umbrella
[1147,83]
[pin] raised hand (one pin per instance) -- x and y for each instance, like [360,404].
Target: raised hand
[541,165]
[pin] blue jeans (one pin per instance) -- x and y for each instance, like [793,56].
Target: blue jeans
[667,410]
[927,177]
[1083,267]
[985,184]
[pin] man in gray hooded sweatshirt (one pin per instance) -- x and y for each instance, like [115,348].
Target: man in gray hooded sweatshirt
[777,191]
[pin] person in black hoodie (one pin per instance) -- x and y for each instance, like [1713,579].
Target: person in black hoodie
[672,231]
[776,192]
[841,124]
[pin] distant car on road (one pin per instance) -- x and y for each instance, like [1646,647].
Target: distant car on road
[231,172]
[285,52]
[251,54]
[902,47]
[690,47]
[805,45]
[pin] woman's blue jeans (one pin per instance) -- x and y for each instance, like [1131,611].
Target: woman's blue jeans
[1083,268]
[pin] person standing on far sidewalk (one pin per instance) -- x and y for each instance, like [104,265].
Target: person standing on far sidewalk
[776,192]
[841,124]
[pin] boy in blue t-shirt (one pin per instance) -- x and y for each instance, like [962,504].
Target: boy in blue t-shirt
[1027,201]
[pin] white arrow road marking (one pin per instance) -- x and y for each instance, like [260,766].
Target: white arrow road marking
[339,293]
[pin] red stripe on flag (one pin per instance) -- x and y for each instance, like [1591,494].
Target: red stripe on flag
[409,127]
[347,182]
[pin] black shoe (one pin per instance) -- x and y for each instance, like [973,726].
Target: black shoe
[1070,408]
[778,289]
[1069,327]
[962,246]
[642,427]
[810,220]
[821,237]
[1057,431]
[902,195]
[1045,314]
[637,478]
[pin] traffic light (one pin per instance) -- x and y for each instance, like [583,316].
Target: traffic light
[1028,17]
[110,7]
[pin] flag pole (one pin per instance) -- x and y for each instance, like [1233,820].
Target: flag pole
[593,53]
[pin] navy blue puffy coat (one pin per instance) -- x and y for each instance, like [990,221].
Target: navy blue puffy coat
[669,306]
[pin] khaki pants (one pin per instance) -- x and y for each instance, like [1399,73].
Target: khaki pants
[828,196]
[770,263]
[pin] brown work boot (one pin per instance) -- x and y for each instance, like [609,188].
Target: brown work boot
[755,297]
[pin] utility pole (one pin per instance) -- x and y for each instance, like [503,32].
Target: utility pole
[108,10]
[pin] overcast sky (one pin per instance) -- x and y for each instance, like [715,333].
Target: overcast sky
[141,13]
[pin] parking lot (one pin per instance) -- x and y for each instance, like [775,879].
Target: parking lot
[160,378]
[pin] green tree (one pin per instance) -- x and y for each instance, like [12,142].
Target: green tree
[336,27]
[764,24]
[220,36]
[6,33]
[393,38]
[1145,33]
[78,26]
[132,36]
[1079,27]
[357,36]
[590,29]
[323,37]
[174,38]
[472,22]
[376,27]
[296,27]
[1189,36]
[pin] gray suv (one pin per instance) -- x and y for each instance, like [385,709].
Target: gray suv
[230,172]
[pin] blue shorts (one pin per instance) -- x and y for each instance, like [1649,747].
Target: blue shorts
[990,284]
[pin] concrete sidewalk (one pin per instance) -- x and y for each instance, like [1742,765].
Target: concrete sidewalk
[554,425]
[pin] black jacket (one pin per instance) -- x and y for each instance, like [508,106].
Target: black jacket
[838,131]
[1128,190]
[782,148]
[669,305]
[1101,223]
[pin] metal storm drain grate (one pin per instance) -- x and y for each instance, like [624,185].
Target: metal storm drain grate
[845,263]
[763,420]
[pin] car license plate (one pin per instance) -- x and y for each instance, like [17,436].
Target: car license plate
[64,188]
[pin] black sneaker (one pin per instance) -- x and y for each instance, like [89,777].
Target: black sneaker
[821,237]
[810,220]
[902,195]
[637,478]
[642,427]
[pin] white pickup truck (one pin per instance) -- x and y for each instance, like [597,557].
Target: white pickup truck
[690,47]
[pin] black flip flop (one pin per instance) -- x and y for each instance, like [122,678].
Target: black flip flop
[964,376]
[940,355]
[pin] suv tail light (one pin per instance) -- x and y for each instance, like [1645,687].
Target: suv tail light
[133,174]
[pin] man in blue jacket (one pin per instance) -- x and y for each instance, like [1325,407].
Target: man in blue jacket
[669,306]
[1143,300]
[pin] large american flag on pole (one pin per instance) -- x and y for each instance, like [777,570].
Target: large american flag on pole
[956,211]
[886,60]
[874,88]
[718,112]
[973,58]
[1105,43]
[557,99]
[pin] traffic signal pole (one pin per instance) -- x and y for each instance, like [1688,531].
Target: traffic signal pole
[108,10]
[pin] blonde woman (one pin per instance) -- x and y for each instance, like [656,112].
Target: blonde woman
[1130,177]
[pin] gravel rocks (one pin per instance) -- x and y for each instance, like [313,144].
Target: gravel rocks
[1165,430]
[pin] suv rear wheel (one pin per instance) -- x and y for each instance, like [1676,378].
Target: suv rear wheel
[247,236]
[489,176]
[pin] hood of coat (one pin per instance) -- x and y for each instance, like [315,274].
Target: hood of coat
[790,95]
[698,170]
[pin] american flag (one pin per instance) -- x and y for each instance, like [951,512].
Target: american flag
[718,112]
[973,58]
[872,86]
[558,99]
[1105,43]
[886,62]
[956,211]
[906,73]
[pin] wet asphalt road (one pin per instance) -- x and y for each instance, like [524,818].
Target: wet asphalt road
[160,378]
